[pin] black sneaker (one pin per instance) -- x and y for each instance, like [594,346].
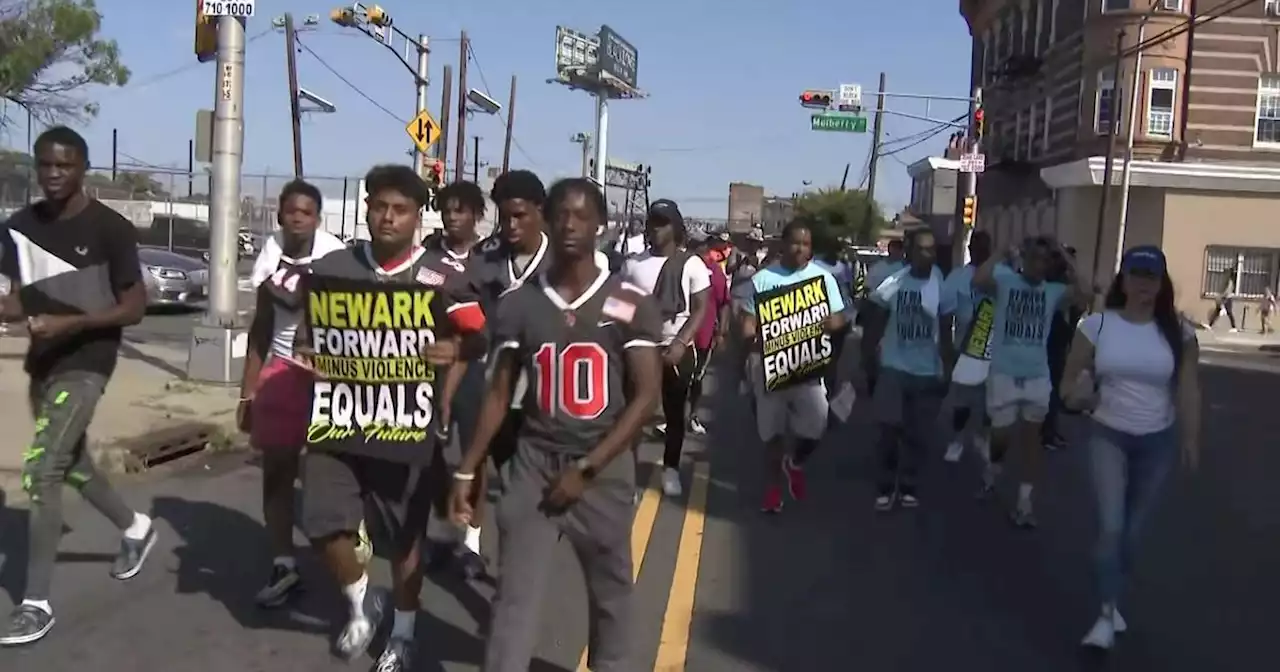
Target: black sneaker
[397,657]
[284,583]
[472,564]
[133,554]
[28,623]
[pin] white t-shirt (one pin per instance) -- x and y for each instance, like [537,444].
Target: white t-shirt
[642,271]
[1134,369]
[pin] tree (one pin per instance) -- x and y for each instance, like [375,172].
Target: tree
[834,215]
[49,50]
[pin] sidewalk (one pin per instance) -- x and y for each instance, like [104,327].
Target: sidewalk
[1221,338]
[147,393]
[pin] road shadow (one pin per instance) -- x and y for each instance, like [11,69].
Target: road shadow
[130,351]
[222,554]
[15,530]
[830,584]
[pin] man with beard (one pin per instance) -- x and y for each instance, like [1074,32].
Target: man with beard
[568,477]
[74,275]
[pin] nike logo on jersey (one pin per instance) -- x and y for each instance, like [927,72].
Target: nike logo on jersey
[605,323]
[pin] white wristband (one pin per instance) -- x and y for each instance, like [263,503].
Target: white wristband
[464,477]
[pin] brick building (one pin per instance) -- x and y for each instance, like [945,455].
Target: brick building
[1206,171]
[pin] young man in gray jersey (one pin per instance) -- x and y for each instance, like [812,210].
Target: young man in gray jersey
[338,482]
[568,476]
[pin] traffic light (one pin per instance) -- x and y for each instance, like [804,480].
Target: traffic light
[816,98]
[377,16]
[206,35]
[978,121]
[969,212]
[343,16]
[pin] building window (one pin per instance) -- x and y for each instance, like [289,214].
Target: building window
[1268,122]
[1160,94]
[1171,5]
[1044,127]
[1271,8]
[1107,89]
[1115,5]
[1249,271]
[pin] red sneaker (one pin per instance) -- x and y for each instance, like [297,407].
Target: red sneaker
[796,484]
[772,500]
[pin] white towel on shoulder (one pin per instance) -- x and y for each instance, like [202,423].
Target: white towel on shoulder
[930,294]
[273,251]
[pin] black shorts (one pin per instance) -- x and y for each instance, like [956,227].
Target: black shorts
[341,490]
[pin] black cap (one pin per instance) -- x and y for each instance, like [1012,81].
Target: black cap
[666,210]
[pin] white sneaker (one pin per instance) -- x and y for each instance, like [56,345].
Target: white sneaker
[696,426]
[671,482]
[1103,633]
[1117,621]
[954,450]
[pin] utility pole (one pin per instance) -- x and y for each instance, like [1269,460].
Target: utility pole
[475,160]
[1107,170]
[968,186]
[115,152]
[446,100]
[1128,141]
[295,112]
[584,139]
[511,126]
[423,73]
[461,153]
[214,354]
[877,131]
[191,168]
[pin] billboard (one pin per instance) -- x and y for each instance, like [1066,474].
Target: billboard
[575,52]
[618,59]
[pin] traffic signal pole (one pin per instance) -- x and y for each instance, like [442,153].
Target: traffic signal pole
[295,110]
[967,190]
[218,343]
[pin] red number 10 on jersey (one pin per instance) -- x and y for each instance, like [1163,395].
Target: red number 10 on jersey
[573,380]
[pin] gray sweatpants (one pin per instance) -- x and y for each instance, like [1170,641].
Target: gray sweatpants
[906,408]
[599,528]
[62,405]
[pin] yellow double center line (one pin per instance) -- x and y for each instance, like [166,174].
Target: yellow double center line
[673,646]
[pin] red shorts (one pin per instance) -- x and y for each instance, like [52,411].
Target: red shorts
[281,406]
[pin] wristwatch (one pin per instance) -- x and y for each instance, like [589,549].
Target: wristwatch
[584,466]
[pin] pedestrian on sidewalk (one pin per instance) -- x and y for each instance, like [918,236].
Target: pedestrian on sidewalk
[1135,366]
[1225,303]
[905,332]
[82,285]
[1266,309]
[275,392]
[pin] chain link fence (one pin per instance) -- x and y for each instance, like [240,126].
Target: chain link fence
[170,207]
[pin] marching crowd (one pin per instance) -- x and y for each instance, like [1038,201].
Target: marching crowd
[555,356]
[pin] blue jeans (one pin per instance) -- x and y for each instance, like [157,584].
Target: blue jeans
[1128,471]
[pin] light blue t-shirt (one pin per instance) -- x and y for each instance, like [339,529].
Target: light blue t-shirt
[910,342]
[774,276]
[959,286]
[880,271]
[1023,315]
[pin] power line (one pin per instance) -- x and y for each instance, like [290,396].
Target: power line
[348,82]
[167,74]
[471,51]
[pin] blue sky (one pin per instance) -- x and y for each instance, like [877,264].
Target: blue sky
[723,79]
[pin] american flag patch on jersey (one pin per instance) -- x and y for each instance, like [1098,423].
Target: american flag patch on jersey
[617,309]
[429,277]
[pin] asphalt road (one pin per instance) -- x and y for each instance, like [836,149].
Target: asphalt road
[826,585]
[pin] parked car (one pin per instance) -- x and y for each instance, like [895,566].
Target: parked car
[173,279]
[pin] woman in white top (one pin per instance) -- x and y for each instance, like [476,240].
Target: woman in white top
[1135,366]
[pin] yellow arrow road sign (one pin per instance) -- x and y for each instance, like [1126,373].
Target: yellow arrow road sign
[423,130]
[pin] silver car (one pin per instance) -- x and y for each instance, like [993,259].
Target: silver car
[172,279]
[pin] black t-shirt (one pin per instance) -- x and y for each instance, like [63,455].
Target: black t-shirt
[76,266]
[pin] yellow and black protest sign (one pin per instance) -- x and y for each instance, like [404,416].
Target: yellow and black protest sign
[794,344]
[373,392]
[974,361]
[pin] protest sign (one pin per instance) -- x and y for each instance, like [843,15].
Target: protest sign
[794,344]
[974,359]
[373,392]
